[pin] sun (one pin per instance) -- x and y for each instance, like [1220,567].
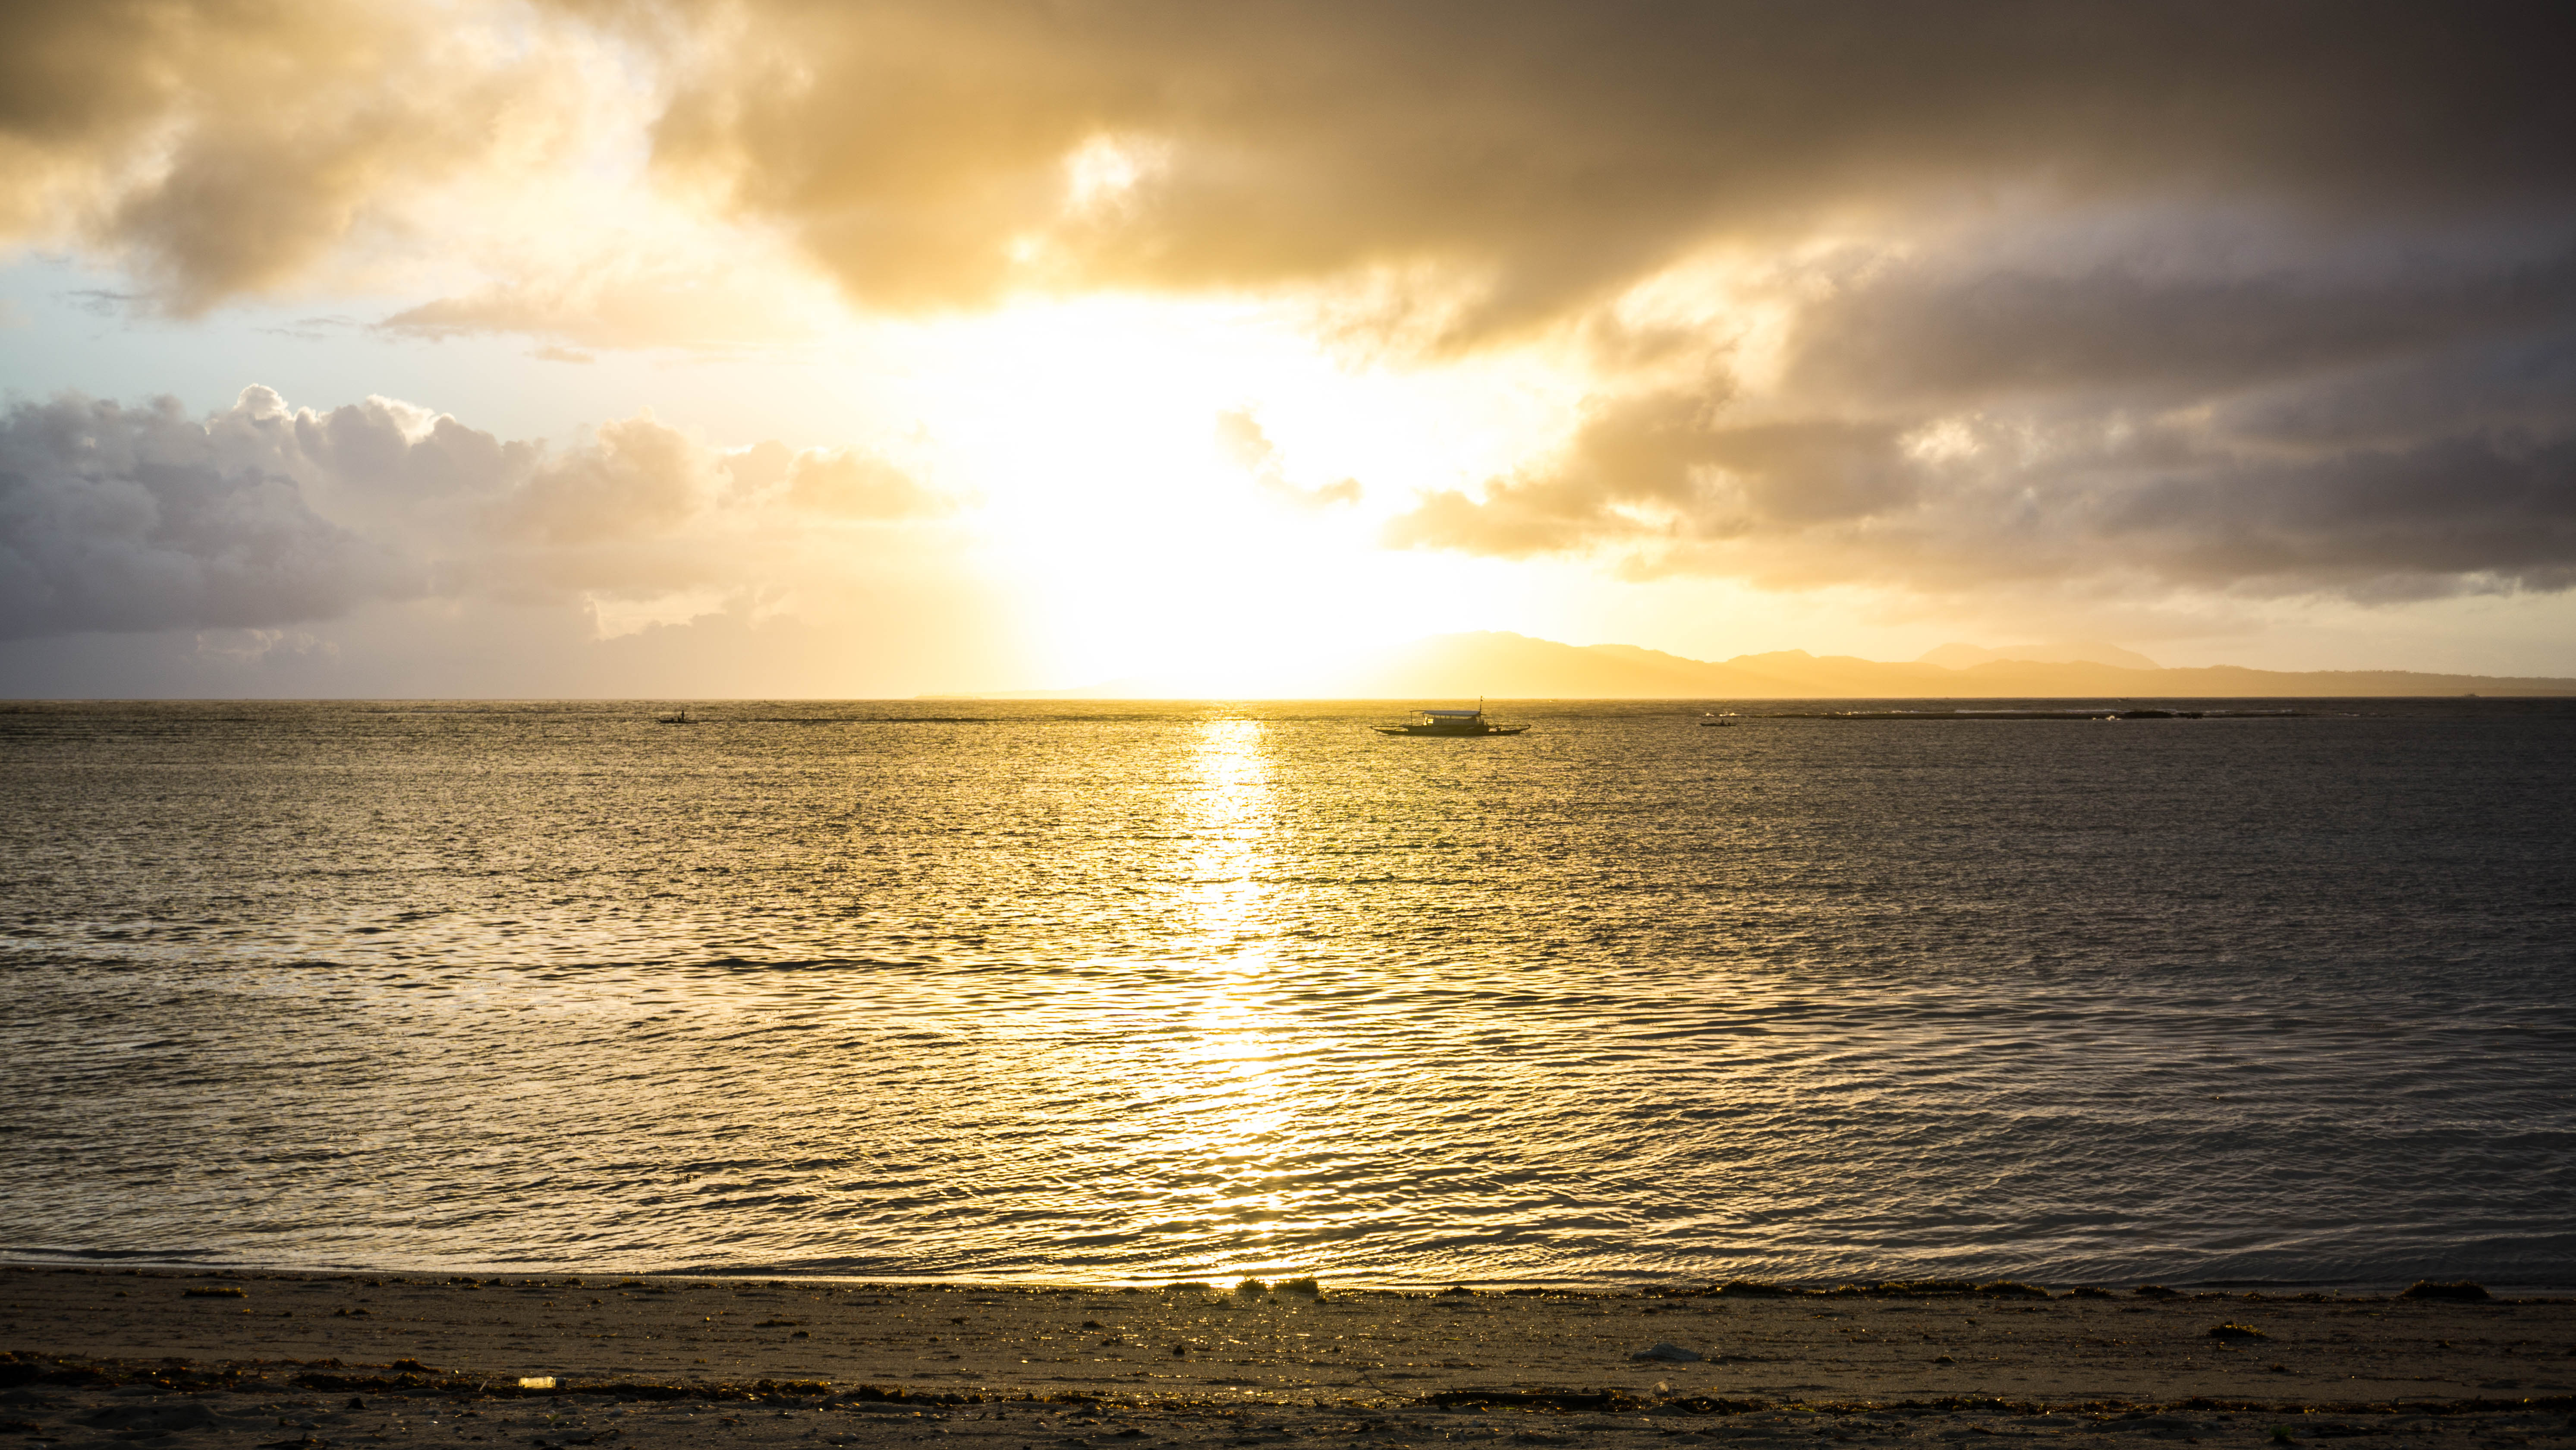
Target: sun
[1141,543]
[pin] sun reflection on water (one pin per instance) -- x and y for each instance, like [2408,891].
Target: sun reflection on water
[1228,823]
[1236,1063]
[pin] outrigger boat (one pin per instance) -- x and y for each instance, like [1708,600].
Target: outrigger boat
[1453,723]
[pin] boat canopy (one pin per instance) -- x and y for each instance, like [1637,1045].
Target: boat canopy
[1453,714]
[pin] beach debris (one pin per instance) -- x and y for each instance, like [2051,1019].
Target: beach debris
[536,1381]
[2157,1291]
[1252,1288]
[1305,1285]
[2233,1331]
[2457,1290]
[220,1291]
[1458,1289]
[1665,1353]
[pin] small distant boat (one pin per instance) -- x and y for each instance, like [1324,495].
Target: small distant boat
[1725,719]
[1453,724]
[677,717]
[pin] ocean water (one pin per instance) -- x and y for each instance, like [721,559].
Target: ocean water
[1126,994]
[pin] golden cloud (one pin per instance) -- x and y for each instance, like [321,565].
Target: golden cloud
[232,146]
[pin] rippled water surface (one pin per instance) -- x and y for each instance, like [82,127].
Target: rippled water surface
[1130,993]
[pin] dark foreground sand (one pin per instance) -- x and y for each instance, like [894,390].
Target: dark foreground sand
[315,1362]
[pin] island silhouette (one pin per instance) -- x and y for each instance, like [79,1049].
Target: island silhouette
[1501,665]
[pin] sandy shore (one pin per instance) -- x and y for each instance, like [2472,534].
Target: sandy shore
[107,1357]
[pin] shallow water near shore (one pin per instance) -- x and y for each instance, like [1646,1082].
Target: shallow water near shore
[1134,993]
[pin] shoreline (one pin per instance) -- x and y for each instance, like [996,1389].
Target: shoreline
[39,1261]
[887,1362]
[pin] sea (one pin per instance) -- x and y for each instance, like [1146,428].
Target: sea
[2284,994]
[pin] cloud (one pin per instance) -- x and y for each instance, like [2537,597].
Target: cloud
[258,516]
[2185,400]
[1671,463]
[1244,440]
[2143,318]
[1240,436]
[2279,298]
[1980,502]
[934,155]
[138,519]
[707,308]
[225,147]
[637,480]
[857,485]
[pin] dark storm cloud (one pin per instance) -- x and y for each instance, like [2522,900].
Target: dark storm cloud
[2465,507]
[2147,324]
[1994,500]
[2391,430]
[1553,150]
[1563,150]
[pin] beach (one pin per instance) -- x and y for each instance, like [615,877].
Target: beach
[111,1357]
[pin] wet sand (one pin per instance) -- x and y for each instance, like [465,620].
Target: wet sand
[107,1358]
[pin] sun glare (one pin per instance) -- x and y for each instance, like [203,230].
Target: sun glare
[1142,546]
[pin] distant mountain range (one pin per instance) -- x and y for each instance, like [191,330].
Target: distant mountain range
[1505,666]
[2089,652]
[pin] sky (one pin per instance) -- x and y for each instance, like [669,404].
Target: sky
[800,349]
